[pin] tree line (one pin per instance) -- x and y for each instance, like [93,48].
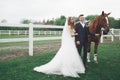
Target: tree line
[60,21]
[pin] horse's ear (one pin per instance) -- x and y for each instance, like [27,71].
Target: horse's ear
[102,12]
[109,13]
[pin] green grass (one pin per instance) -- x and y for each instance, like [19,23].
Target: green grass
[22,68]
[26,43]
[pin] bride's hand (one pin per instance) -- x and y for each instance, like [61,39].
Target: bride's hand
[78,42]
[76,34]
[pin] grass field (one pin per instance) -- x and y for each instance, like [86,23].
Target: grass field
[21,68]
[26,43]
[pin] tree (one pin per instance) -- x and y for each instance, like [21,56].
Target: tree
[37,22]
[114,23]
[90,17]
[60,21]
[117,23]
[50,22]
[26,21]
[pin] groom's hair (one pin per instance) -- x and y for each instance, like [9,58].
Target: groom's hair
[81,15]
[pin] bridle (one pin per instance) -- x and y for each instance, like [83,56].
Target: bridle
[103,24]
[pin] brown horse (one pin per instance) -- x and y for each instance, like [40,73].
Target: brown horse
[94,29]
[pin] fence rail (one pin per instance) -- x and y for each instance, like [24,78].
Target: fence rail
[26,32]
[27,39]
[113,34]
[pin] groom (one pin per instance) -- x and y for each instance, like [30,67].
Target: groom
[81,39]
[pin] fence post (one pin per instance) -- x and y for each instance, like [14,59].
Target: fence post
[26,32]
[50,33]
[119,34]
[45,32]
[31,39]
[55,32]
[101,40]
[9,32]
[39,33]
[59,32]
[112,34]
[18,32]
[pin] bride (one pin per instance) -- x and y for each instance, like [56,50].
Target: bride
[67,61]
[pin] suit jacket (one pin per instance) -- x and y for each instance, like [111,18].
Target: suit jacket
[82,32]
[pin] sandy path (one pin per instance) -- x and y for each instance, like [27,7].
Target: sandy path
[23,50]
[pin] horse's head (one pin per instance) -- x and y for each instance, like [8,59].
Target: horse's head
[105,22]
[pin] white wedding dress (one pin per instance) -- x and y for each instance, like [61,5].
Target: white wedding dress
[67,61]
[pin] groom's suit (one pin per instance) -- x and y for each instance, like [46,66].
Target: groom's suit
[83,38]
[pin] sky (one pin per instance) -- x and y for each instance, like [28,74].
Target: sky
[14,11]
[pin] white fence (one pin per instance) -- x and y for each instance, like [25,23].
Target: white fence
[30,39]
[26,32]
[114,33]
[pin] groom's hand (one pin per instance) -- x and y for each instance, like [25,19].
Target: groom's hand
[76,34]
[78,42]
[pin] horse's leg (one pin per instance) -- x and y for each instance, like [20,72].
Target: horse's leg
[88,51]
[95,52]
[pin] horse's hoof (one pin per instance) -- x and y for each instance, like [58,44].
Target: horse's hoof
[96,62]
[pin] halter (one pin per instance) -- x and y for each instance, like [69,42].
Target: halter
[103,24]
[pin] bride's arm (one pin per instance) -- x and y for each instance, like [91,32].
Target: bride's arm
[72,32]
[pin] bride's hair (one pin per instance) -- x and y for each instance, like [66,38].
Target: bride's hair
[71,24]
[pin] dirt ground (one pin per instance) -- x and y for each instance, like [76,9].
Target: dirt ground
[23,50]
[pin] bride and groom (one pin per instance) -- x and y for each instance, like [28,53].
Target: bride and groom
[68,61]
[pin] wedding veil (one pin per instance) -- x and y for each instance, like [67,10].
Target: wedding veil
[65,33]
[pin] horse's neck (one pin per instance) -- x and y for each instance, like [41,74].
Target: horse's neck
[96,25]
